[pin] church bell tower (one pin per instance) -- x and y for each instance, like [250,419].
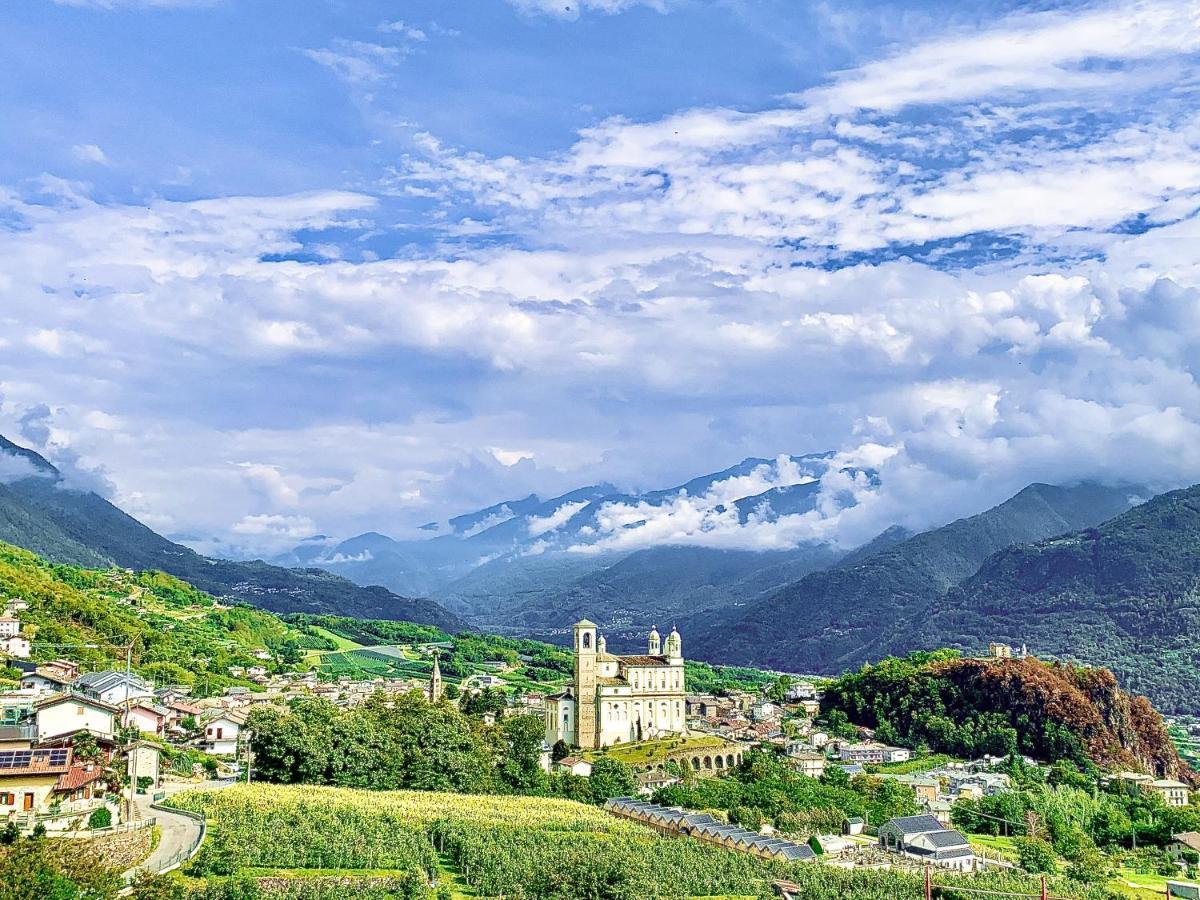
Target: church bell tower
[585,684]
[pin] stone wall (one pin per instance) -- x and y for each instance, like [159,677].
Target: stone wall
[119,850]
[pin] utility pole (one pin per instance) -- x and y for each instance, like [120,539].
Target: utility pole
[133,746]
[249,738]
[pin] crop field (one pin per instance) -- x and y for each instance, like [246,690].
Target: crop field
[515,847]
[518,848]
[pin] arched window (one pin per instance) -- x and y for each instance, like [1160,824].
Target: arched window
[587,640]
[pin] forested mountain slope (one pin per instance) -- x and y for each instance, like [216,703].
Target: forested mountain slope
[843,616]
[39,513]
[1125,595]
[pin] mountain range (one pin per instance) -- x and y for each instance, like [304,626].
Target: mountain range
[40,512]
[1085,571]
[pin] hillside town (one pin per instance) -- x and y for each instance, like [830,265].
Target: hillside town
[97,749]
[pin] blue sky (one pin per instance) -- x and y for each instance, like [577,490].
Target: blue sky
[265,272]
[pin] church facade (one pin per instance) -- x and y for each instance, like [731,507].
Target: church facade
[617,699]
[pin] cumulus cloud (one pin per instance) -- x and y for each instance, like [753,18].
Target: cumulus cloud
[538,525]
[90,153]
[941,260]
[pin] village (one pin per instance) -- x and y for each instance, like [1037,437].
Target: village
[94,751]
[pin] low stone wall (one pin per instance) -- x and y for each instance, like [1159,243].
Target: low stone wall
[119,850]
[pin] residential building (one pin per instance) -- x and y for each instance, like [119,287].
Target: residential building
[896,754]
[69,712]
[148,717]
[1183,845]
[46,680]
[113,687]
[10,625]
[862,753]
[575,765]
[143,759]
[924,838]
[221,733]
[649,782]
[810,764]
[28,778]
[16,645]
[80,784]
[1173,793]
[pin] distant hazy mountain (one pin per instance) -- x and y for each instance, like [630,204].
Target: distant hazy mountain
[1125,595]
[39,513]
[526,563]
[655,586]
[843,616]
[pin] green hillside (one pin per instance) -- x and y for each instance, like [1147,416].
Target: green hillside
[1125,595]
[41,514]
[841,617]
[179,634]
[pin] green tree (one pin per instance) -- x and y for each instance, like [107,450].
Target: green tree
[778,690]
[521,767]
[611,778]
[100,818]
[1036,855]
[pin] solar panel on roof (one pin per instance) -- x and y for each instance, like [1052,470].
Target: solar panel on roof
[15,759]
[58,757]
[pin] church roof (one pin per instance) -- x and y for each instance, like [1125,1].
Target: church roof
[585,623]
[644,660]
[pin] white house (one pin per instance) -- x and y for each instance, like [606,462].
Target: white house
[10,626]
[65,713]
[575,765]
[148,717]
[144,760]
[113,687]
[926,839]
[45,680]
[221,733]
[16,645]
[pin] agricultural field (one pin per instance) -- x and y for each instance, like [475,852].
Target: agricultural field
[509,846]
[1187,743]
[520,848]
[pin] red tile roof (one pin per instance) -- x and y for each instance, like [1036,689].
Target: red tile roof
[78,776]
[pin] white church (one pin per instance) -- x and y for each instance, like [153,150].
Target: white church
[616,699]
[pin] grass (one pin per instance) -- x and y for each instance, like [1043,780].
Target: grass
[1005,846]
[918,764]
[1137,884]
[341,642]
[650,752]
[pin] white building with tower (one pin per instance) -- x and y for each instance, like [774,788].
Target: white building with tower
[617,699]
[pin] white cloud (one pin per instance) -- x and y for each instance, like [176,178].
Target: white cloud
[669,296]
[90,153]
[538,525]
[358,62]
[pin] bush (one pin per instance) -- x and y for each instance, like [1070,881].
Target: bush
[100,818]
[1036,856]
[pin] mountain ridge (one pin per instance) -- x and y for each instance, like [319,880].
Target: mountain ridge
[846,609]
[41,514]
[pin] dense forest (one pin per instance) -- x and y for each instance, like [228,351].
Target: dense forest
[968,707]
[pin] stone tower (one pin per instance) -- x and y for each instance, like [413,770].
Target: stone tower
[654,645]
[435,681]
[585,684]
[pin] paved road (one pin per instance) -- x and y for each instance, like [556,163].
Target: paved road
[178,832]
